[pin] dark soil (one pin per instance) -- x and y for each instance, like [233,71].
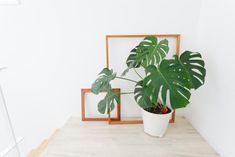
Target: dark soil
[156,110]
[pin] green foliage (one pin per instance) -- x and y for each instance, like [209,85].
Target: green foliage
[153,52]
[168,77]
[148,52]
[194,65]
[133,60]
[108,103]
[165,78]
[142,95]
[176,76]
[102,83]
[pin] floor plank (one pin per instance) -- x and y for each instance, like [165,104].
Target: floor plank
[98,139]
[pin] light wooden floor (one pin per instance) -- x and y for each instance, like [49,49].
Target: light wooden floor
[92,139]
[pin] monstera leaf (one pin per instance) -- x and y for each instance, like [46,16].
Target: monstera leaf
[108,103]
[194,65]
[148,52]
[142,95]
[168,77]
[133,58]
[132,61]
[102,83]
[154,52]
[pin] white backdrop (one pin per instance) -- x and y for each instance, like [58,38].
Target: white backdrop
[212,109]
[7,144]
[5,132]
[53,48]
[9,2]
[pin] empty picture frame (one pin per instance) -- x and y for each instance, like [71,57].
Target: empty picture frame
[115,59]
[84,91]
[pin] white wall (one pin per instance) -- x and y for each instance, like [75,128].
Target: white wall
[53,48]
[5,132]
[212,108]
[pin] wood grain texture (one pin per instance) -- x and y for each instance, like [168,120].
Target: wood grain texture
[97,139]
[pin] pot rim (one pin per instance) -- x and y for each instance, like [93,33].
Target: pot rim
[157,113]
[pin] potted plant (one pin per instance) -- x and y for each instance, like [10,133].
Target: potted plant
[165,79]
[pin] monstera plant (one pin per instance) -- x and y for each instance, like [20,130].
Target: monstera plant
[165,79]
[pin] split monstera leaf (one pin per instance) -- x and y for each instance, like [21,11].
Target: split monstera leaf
[148,52]
[102,84]
[171,79]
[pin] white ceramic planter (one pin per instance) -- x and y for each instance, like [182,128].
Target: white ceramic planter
[155,124]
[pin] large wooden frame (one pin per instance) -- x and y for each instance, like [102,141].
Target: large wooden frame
[177,36]
[83,108]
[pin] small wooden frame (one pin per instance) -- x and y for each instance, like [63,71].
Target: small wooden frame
[177,36]
[84,118]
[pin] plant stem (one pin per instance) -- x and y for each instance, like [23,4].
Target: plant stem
[126,79]
[138,73]
[127,93]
